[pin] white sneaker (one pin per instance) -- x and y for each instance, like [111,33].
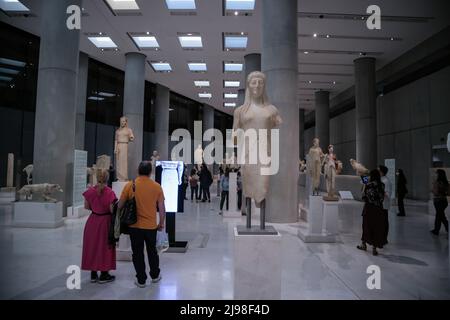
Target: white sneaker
[156,280]
[138,284]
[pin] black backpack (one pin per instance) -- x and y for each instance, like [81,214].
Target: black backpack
[129,210]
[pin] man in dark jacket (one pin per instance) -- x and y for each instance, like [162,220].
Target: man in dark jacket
[205,182]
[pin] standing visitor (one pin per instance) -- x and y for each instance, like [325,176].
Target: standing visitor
[193,182]
[440,193]
[374,232]
[98,254]
[225,187]
[239,189]
[401,192]
[149,196]
[205,182]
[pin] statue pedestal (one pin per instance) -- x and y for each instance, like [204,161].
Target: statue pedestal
[77,212]
[257,266]
[30,214]
[7,195]
[315,230]
[123,250]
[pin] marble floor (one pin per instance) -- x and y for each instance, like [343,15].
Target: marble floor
[415,264]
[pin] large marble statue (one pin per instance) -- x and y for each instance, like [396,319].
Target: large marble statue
[124,135]
[29,171]
[359,168]
[46,189]
[198,155]
[256,113]
[315,158]
[330,165]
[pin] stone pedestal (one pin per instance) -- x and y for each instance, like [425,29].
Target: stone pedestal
[331,213]
[123,250]
[30,214]
[350,219]
[314,230]
[257,267]
[77,212]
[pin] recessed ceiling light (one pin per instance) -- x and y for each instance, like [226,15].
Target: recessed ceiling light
[9,71]
[306,52]
[328,35]
[106,94]
[191,41]
[11,62]
[240,5]
[230,95]
[118,5]
[334,82]
[231,84]
[233,67]
[197,66]
[315,35]
[148,32]
[201,83]
[229,104]
[180,4]
[146,42]
[103,42]
[242,33]
[161,66]
[234,42]
[96,98]
[205,95]
[309,81]
[13,5]
[392,39]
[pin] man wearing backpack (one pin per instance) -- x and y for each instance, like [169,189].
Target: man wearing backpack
[149,196]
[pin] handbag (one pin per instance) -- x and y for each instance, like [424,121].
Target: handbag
[129,210]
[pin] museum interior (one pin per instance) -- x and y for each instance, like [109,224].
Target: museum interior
[349,200]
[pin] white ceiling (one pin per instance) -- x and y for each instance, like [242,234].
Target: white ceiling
[320,68]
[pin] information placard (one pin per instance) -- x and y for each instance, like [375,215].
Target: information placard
[171,178]
[79,177]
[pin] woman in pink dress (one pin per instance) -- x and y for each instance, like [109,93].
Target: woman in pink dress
[98,254]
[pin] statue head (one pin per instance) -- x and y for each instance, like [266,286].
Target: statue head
[123,122]
[256,88]
[316,142]
[155,153]
[330,148]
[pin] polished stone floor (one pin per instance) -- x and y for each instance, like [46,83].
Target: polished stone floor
[415,264]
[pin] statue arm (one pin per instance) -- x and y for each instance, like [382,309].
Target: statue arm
[131,135]
[236,126]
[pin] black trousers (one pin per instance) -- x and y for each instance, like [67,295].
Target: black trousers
[194,190]
[223,196]
[239,195]
[440,205]
[401,205]
[206,193]
[138,237]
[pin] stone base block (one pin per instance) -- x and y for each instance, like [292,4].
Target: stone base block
[7,196]
[257,266]
[38,214]
[77,212]
[307,236]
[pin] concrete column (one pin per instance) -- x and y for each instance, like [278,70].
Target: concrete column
[54,133]
[280,64]
[133,107]
[162,121]
[80,120]
[207,120]
[366,117]
[301,133]
[322,127]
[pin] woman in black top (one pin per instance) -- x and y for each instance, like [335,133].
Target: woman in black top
[440,193]
[374,227]
[401,192]
[205,182]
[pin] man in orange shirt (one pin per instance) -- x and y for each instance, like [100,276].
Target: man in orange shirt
[149,196]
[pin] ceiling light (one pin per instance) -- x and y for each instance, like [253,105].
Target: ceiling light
[146,42]
[230,104]
[233,67]
[102,42]
[310,81]
[118,5]
[13,5]
[9,71]
[191,41]
[96,98]
[242,33]
[240,5]
[231,84]
[334,82]
[236,13]
[392,39]
[306,52]
[7,79]
[230,95]
[161,66]
[11,62]
[106,94]
[205,95]
[315,35]
[180,4]
[197,66]
[202,83]
[328,35]
[235,42]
